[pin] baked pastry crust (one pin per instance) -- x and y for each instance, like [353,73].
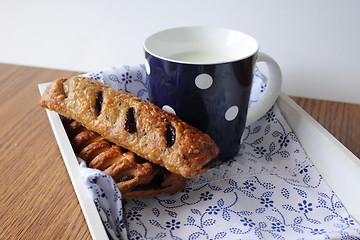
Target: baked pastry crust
[132,123]
[135,177]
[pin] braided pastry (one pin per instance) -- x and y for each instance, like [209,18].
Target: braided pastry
[132,123]
[135,177]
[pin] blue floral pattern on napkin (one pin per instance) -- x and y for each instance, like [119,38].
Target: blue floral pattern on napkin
[270,190]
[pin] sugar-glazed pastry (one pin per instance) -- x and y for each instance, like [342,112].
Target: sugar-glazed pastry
[135,177]
[132,123]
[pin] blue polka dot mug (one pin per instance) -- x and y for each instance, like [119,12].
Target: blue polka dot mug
[204,75]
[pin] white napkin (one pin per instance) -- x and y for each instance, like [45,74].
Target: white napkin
[270,190]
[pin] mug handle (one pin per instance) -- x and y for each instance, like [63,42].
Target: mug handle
[272,90]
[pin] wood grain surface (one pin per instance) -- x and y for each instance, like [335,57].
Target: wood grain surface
[342,120]
[37,200]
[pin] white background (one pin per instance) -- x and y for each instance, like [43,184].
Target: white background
[315,42]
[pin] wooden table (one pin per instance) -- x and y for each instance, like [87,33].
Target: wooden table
[37,200]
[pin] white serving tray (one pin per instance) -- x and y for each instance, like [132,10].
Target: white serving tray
[338,166]
[325,151]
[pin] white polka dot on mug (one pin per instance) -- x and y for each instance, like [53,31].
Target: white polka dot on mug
[169,109]
[203,81]
[231,113]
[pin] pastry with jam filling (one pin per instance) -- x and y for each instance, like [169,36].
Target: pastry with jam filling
[132,123]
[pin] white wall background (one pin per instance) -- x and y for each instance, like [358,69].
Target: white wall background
[316,42]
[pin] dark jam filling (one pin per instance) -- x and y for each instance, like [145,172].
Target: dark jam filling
[130,123]
[170,135]
[99,102]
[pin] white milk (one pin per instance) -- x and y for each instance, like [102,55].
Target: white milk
[200,57]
